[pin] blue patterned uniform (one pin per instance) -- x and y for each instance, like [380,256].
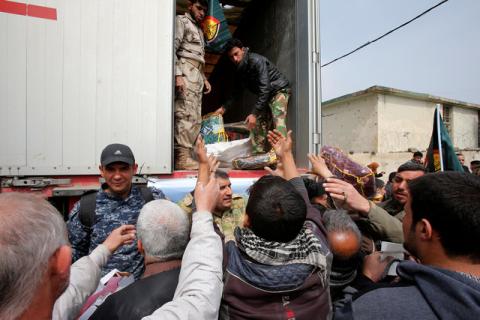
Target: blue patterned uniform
[110,213]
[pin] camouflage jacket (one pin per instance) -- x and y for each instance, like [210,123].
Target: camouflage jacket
[229,220]
[189,41]
[110,213]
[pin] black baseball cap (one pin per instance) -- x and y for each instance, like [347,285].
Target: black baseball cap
[117,152]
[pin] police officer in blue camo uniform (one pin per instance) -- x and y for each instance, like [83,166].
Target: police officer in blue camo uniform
[118,202]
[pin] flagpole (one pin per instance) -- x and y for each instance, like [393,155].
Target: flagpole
[439,137]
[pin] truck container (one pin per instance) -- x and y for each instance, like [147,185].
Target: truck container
[78,75]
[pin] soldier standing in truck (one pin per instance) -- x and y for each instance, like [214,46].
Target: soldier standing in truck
[190,82]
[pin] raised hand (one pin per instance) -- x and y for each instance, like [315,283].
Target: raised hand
[346,196]
[201,150]
[213,163]
[279,172]
[319,167]
[374,267]
[251,121]
[221,110]
[280,144]
[207,88]
[206,194]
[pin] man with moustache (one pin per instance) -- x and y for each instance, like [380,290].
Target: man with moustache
[383,221]
[229,210]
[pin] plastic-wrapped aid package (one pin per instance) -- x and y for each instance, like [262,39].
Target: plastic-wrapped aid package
[255,162]
[362,178]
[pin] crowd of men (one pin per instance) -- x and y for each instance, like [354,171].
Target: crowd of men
[294,248]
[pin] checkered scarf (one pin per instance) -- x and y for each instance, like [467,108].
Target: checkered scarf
[305,248]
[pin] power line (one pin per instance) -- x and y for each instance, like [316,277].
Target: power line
[385,34]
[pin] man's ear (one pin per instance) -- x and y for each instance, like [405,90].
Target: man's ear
[425,230]
[135,168]
[140,247]
[61,261]
[246,221]
[100,168]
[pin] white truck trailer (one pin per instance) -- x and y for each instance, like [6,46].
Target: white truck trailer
[78,75]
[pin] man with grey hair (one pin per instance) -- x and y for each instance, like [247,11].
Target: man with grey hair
[35,272]
[35,257]
[163,232]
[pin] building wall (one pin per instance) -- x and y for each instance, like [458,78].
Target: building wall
[352,125]
[465,128]
[404,123]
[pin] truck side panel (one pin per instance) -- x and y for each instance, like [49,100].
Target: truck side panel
[100,73]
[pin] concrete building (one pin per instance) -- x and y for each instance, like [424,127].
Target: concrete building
[385,125]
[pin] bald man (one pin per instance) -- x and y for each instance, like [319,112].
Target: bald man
[345,240]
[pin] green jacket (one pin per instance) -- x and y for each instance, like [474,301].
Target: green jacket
[384,226]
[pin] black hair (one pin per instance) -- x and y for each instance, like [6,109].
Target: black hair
[275,209]
[411,166]
[314,189]
[391,176]
[475,162]
[232,43]
[220,174]
[418,154]
[379,183]
[203,3]
[450,202]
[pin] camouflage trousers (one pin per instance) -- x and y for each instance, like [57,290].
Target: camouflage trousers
[278,120]
[188,106]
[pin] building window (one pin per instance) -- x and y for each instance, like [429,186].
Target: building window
[447,118]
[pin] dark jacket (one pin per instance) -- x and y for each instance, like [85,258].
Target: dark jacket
[295,291]
[424,292]
[261,77]
[139,299]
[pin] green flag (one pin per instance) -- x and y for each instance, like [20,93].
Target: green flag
[215,27]
[440,154]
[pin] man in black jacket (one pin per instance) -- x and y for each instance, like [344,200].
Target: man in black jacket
[272,88]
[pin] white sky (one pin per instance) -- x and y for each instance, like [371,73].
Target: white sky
[438,54]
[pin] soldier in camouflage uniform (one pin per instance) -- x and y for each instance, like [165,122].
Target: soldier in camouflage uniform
[117,203]
[229,211]
[190,82]
[261,77]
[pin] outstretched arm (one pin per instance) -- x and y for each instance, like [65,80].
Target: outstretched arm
[200,285]
[85,273]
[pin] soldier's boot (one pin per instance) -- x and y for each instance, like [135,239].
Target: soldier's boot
[184,161]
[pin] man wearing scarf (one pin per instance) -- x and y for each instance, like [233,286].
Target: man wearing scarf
[277,267]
